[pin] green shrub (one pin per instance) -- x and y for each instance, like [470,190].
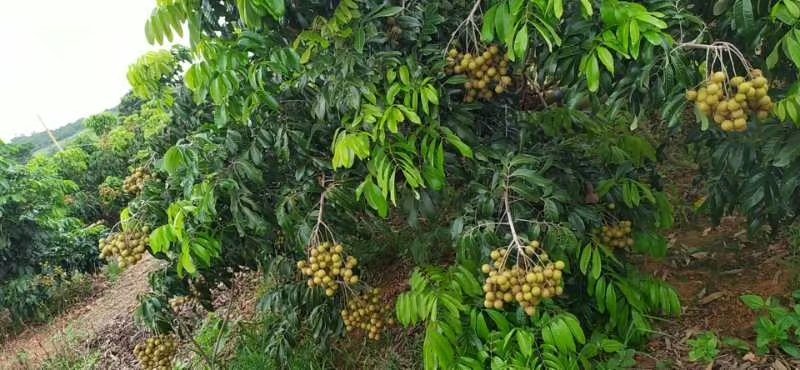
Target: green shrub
[778,327]
[36,298]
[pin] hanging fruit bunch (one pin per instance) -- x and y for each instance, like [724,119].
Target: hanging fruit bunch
[156,353]
[618,235]
[327,266]
[110,189]
[134,183]
[730,101]
[108,194]
[127,246]
[368,313]
[531,278]
[487,71]
[178,303]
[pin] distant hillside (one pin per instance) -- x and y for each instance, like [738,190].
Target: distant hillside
[40,140]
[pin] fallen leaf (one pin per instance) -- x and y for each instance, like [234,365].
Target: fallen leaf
[712,297]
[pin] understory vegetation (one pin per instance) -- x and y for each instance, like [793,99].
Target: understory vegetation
[421,184]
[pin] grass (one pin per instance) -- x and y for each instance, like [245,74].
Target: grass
[112,272]
[67,355]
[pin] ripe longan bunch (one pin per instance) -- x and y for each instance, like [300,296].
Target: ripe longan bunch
[134,183]
[156,353]
[487,72]
[729,101]
[108,194]
[366,312]
[178,303]
[530,280]
[327,265]
[618,235]
[128,246]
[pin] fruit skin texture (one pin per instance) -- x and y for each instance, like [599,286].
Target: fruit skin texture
[526,282]
[487,73]
[128,246]
[328,267]
[156,352]
[367,312]
[731,104]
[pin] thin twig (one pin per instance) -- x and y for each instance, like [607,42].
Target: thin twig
[469,27]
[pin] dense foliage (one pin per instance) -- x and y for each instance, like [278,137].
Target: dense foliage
[504,139]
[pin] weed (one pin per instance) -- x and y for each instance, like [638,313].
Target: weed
[704,348]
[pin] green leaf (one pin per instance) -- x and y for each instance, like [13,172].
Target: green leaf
[521,42]
[593,73]
[525,341]
[558,8]
[611,346]
[588,9]
[597,265]
[388,11]
[173,159]
[586,257]
[606,58]
[404,75]
[575,328]
[455,141]
[359,40]
[792,48]
[487,28]
[753,301]
[186,261]
[635,39]
[772,58]
[502,22]
[276,8]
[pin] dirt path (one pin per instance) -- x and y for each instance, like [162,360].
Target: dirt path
[711,268]
[38,343]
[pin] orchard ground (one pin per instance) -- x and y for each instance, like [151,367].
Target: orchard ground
[710,266]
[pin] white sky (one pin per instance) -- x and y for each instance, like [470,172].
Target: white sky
[65,59]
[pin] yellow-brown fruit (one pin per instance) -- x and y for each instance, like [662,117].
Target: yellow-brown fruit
[324,268]
[156,353]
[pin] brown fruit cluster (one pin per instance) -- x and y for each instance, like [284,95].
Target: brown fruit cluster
[156,353]
[532,278]
[618,235]
[729,101]
[366,312]
[327,266]
[178,303]
[488,72]
[108,194]
[128,246]
[134,183]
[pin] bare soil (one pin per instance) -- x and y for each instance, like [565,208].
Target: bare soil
[31,347]
[711,267]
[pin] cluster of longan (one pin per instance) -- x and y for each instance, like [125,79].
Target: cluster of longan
[134,183]
[326,266]
[366,312]
[618,235]
[533,278]
[128,246]
[179,302]
[729,101]
[487,72]
[156,353]
[108,194]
